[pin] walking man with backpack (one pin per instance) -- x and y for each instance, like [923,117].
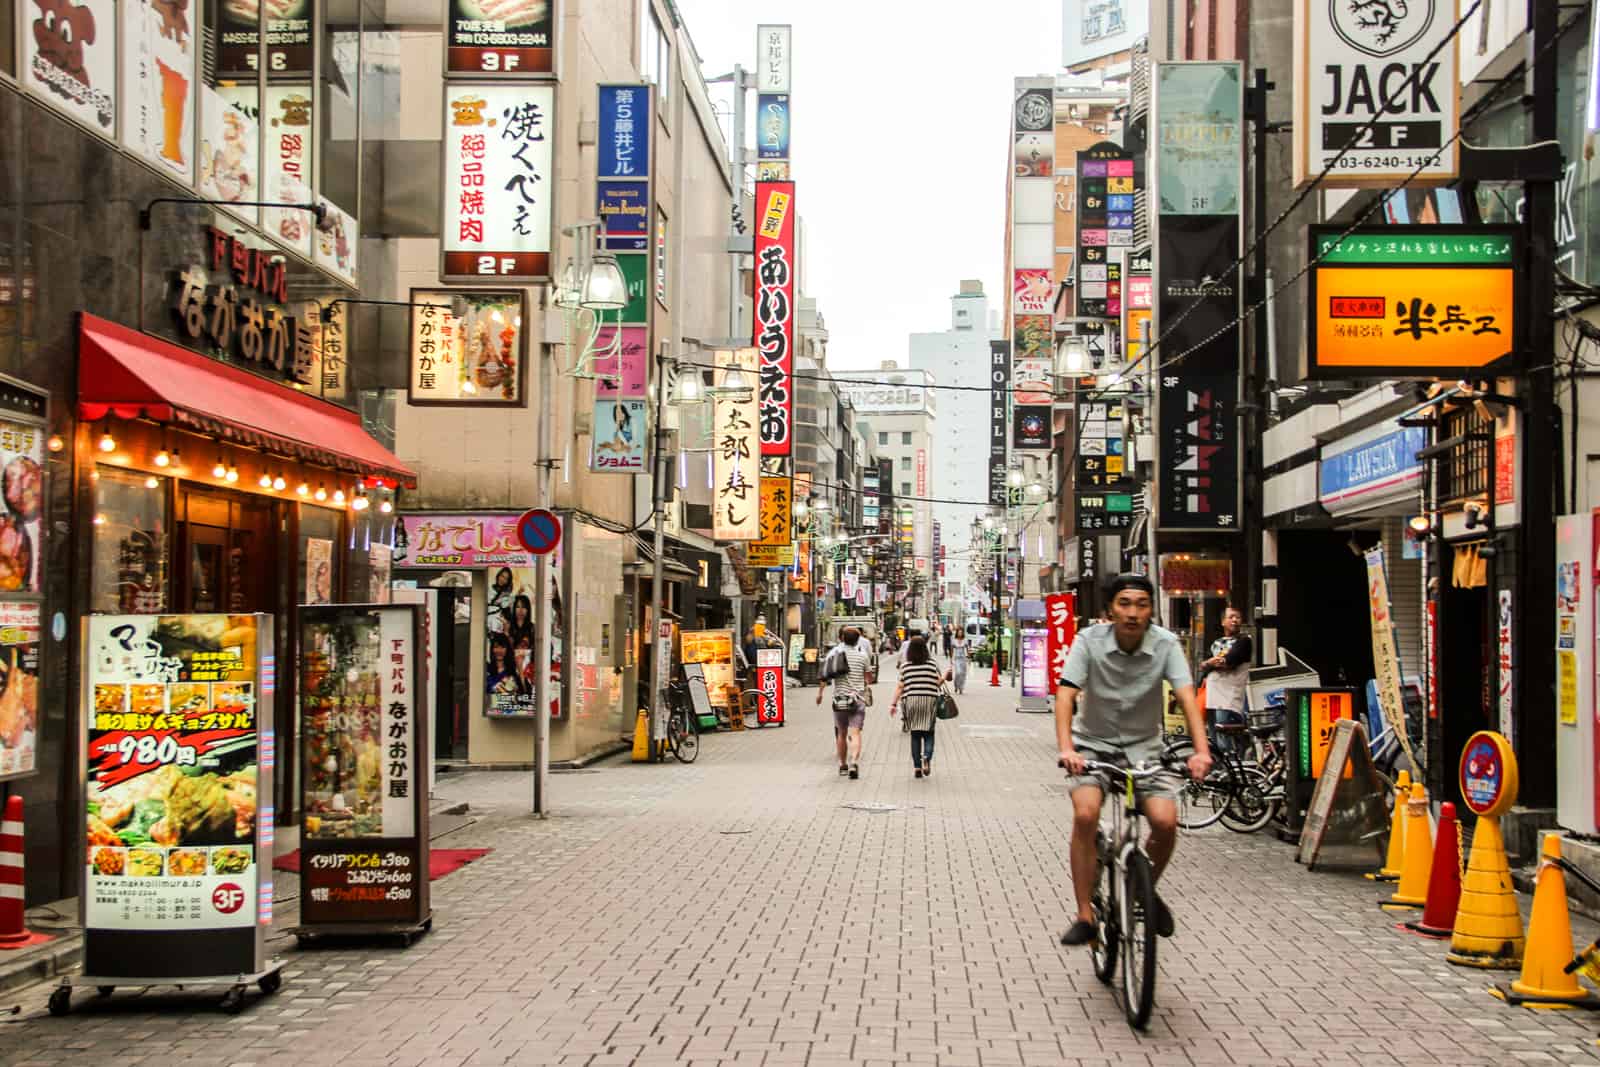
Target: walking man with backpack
[846,666]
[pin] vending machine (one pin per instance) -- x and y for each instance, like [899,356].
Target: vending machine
[1575,607]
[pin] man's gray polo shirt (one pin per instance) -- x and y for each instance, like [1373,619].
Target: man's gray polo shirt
[1120,699]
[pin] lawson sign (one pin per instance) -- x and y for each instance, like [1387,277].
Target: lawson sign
[1372,473]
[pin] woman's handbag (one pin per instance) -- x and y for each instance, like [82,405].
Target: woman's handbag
[945,706]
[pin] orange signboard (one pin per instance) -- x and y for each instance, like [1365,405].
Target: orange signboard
[1418,301]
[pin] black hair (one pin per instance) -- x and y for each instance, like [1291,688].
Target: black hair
[1129,581]
[850,635]
[917,650]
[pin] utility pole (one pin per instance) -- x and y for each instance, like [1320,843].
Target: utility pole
[661,470]
[541,595]
[1533,725]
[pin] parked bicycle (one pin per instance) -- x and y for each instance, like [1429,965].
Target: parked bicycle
[683,731]
[1124,897]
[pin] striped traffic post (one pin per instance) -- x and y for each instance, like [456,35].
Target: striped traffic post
[13,932]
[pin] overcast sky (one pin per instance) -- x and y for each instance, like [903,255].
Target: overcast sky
[900,147]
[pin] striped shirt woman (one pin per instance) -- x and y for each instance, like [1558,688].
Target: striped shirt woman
[920,681]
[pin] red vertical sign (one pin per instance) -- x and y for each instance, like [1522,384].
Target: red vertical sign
[775,313]
[1061,624]
[769,682]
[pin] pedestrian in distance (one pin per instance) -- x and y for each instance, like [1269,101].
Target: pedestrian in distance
[918,693]
[1226,673]
[958,661]
[849,698]
[949,641]
[1117,669]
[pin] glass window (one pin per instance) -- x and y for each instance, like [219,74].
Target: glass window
[319,565]
[131,543]
[883,438]
[905,488]
[905,438]
[339,103]
[654,53]
[905,463]
[371,556]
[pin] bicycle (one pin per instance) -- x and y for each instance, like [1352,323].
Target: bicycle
[683,732]
[1124,898]
[1201,801]
[1244,795]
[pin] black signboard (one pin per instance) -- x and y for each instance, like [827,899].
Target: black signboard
[1108,180]
[999,397]
[500,37]
[364,770]
[1198,398]
[1031,426]
[291,26]
[1102,512]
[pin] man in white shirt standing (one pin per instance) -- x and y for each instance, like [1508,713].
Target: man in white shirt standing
[849,699]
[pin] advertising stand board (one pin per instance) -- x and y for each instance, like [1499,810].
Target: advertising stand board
[769,682]
[177,750]
[364,757]
[22,451]
[1038,691]
[712,650]
[1308,729]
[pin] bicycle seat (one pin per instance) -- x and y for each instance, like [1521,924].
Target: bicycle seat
[1231,727]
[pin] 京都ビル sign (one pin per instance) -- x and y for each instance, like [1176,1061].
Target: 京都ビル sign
[1421,301]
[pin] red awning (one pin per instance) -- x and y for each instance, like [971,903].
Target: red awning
[130,375]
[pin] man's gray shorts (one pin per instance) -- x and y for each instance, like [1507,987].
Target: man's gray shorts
[854,719]
[1168,784]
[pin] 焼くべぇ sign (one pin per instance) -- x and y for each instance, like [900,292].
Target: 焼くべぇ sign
[499,157]
[1421,301]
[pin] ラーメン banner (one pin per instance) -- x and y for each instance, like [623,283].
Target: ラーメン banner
[774,313]
[499,181]
[1422,301]
[736,451]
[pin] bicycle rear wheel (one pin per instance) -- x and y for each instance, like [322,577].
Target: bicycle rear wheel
[1251,807]
[1103,953]
[1200,803]
[1138,908]
[685,738]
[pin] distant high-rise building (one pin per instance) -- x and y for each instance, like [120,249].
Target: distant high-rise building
[959,356]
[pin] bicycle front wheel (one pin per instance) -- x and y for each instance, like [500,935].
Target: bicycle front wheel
[1103,952]
[1251,807]
[685,739]
[1138,910]
[1200,803]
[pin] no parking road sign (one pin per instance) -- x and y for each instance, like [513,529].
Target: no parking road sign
[539,531]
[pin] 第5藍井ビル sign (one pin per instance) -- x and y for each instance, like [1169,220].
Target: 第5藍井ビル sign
[1419,301]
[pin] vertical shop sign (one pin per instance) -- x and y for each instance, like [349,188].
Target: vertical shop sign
[1032,261]
[499,154]
[289,38]
[775,546]
[158,83]
[774,313]
[70,52]
[1108,183]
[772,126]
[1385,657]
[486,37]
[364,851]
[1198,111]
[179,779]
[774,58]
[286,117]
[620,402]
[623,167]
[476,358]
[736,454]
[999,395]
[1350,62]
[769,683]
[1061,626]
[1505,660]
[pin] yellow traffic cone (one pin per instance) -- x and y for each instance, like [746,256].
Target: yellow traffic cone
[1545,981]
[1488,929]
[1413,889]
[641,737]
[1394,862]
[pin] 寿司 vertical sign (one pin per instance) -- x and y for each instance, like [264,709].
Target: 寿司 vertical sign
[1061,626]
[736,453]
[774,318]
[499,181]
[769,683]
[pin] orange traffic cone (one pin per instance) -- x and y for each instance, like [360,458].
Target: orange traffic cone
[1444,887]
[1413,889]
[1545,981]
[1394,862]
[13,931]
[1488,929]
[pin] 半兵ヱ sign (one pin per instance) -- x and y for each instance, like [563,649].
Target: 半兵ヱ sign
[1422,301]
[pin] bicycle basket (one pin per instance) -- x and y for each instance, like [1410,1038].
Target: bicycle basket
[1267,717]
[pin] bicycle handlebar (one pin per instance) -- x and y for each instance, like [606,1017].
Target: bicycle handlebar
[1136,773]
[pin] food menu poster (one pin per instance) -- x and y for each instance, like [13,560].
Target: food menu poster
[173,761]
[21,529]
[358,710]
[713,650]
[19,690]
[505,37]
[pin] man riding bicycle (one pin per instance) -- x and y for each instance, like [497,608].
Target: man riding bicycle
[1115,671]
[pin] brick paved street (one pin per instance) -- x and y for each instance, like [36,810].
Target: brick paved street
[735,911]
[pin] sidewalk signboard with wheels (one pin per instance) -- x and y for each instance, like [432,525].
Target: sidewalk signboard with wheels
[769,683]
[1310,716]
[363,772]
[178,747]
[713,651]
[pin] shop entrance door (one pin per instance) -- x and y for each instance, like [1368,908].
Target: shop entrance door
[229,549]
